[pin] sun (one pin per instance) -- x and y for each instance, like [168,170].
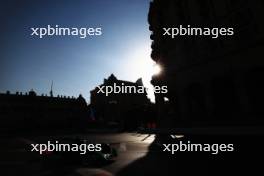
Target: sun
[138,64]
[156,69]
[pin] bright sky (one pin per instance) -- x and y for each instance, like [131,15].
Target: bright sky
[75,65]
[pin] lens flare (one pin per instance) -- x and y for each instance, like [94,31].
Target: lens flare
[156,69]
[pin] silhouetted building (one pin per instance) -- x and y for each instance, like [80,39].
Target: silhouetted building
[128,110]
[210,81]
[30,112]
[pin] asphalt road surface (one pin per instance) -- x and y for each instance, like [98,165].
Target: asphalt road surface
[137,155]
[130,147]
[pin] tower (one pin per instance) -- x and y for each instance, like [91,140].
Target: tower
[51,91]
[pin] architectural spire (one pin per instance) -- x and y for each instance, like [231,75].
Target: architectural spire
[51,89]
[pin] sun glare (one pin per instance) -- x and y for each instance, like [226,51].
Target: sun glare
[156,69]
[139,65]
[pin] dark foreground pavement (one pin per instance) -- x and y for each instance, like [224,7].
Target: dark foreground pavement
[139,155]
